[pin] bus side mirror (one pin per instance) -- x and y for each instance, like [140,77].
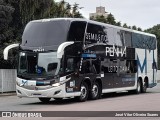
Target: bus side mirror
[6,50]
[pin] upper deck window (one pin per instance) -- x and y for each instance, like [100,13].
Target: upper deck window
[76,31]
[47,33]
[96,34]
[143,41]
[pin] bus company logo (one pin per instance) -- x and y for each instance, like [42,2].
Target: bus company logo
[97,37]
[40,49]
[118,51]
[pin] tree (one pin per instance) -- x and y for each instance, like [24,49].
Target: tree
[5,18]
[25,11]
[134,27]
[111,19]
[6,31]
[64,9]
[34,9]
[118,23]
[100,18]
[139,29]
[125,25]
[75,11]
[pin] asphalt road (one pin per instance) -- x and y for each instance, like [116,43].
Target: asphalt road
[149,101]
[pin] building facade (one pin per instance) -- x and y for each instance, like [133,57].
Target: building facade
[100,11]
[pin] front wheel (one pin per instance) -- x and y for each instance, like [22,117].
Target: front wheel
[44,100]
[138,90]
[84,92]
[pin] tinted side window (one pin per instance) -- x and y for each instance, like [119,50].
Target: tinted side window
[123,38]
[76,32]
[128,38]
[143,41]
[95,34]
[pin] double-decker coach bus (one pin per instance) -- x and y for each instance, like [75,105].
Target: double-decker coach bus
[68,57]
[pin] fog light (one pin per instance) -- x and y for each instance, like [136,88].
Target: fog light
[57,92]
[19,91]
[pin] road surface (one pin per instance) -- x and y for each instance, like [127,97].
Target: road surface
[149,101]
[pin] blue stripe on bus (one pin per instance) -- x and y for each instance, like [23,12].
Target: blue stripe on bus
[89,55]
[143,65]
[146,61]
[39,83]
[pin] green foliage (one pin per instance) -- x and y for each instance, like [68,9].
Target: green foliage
[99,19]
[64,9]
[125,25]
[139,29]
[5,18]
[6,31]
[156,30]
[111,19]
[118,24]
[134,27]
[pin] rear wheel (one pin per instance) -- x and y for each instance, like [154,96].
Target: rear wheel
[84,92]
[44,100]
[95,92]
[139,87]
[144,88]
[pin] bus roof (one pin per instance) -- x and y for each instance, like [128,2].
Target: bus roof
[94,22]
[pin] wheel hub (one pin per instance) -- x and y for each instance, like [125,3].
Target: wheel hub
[95,90]
[83,92]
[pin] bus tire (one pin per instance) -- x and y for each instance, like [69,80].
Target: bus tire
[95,91]
[84,92]
[144,88]
[44,100]
[58,99]
[139,87]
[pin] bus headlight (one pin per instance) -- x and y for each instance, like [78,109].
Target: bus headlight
[56,84]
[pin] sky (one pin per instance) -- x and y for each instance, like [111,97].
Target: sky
[142,13]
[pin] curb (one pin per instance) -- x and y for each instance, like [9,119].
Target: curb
[8,94]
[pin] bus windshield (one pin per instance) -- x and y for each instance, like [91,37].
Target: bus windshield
[33,65]
[49,33]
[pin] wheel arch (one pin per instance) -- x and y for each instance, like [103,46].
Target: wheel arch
[99,82]
[140,79]
[88,81]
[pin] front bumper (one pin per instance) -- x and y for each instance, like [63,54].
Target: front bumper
[54,92]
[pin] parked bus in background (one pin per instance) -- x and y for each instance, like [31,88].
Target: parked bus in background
[69,57]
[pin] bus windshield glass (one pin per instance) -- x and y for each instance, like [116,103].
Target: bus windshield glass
[46,33]
[33,65]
